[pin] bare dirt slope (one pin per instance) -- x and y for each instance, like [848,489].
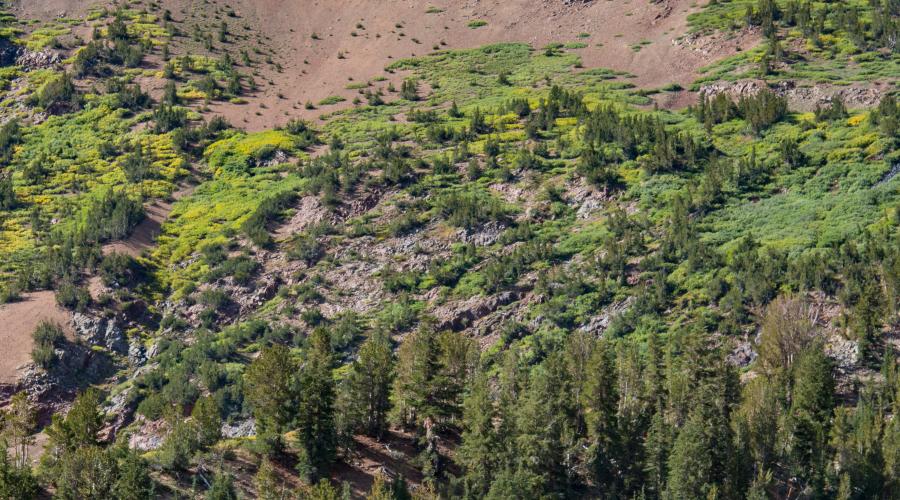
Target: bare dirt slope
[356,39]
[17,321]
[306,51]
[51,9]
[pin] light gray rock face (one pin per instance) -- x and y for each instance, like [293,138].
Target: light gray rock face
[136,353]
[801,96]
[244,428]
[103,332]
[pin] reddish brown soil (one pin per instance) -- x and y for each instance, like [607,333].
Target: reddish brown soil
[312,70]
[144,235]
[17,322]
[51,9]
[371,35]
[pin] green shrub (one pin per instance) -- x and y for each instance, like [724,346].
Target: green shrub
[47,336]
[255,226]
[306,248]
[469,208]
[59,95]
[120,270]
[72,296]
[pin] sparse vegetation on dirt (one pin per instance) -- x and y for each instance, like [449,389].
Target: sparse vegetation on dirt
[495,270]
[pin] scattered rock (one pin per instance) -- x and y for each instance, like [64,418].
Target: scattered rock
[461,315]
[244,428]
[844,352]
[12,54]
[597,325]
[136,354]
[487,234]
[742,355]
[121,408]
[149,436]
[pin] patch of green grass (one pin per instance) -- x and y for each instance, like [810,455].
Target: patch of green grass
[46,37]
[477,23]
[334,99]
[70,158]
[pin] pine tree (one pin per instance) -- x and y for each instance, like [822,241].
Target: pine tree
[268,486]
[86,472]
[757,421]
[690,464]
[323,490]
[890,450]
[654,374]
[381,489]
[546,442]
[477,453]
[454,111]
[602,402]
[16,481]
[367,388]
[656,455]
[270,390]
[208,421]
[222,487]
[315,418]
[410,90]
[18,421]
[456,357]
[810,415]
[413,395]
[73,439]
[631,418]
[133,481]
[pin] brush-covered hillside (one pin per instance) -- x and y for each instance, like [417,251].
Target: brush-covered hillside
[529,249]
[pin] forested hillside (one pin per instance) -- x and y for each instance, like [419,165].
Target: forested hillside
[491,268]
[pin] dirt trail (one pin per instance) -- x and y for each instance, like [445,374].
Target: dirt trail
[144,235]
[17,321]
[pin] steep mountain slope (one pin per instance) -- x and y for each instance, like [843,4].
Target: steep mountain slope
[314,51]
[582,249]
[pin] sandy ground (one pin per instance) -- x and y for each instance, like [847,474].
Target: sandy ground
[17,321]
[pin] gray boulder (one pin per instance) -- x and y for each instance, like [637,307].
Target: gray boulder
[104,332]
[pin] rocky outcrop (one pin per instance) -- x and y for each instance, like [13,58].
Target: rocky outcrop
[120,408]
[742,355]
[461,315]
[103,332]
[599,323]
[149,435]
[76,366]
[241,429]
[16,55]
[484,235]
[805,97]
